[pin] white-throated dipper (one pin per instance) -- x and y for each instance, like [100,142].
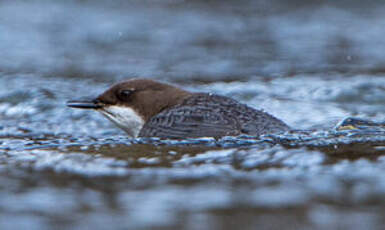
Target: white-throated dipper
[147,108]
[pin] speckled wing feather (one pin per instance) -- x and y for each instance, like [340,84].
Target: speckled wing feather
[208,115]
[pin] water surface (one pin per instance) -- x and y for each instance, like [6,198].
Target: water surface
[309,63]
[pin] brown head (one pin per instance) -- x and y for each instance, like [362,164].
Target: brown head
[131,103]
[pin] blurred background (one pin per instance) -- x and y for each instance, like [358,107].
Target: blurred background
[310,63]
[200,40]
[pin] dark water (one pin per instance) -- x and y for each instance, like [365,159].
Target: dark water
[310,63]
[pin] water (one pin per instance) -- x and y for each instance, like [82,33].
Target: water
[309,63]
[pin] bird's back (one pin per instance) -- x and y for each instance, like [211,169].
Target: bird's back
[209,115]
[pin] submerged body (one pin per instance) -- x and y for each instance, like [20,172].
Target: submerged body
[146,108]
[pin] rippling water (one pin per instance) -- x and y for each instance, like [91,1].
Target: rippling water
[309,63]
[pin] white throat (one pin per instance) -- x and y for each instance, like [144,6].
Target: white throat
[125,118]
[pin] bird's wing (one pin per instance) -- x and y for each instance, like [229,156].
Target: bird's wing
[190,122]
[207,115]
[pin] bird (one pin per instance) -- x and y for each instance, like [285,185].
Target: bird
[148,108]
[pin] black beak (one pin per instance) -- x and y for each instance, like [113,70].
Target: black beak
[84,104]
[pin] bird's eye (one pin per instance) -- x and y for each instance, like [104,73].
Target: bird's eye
[125,94]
